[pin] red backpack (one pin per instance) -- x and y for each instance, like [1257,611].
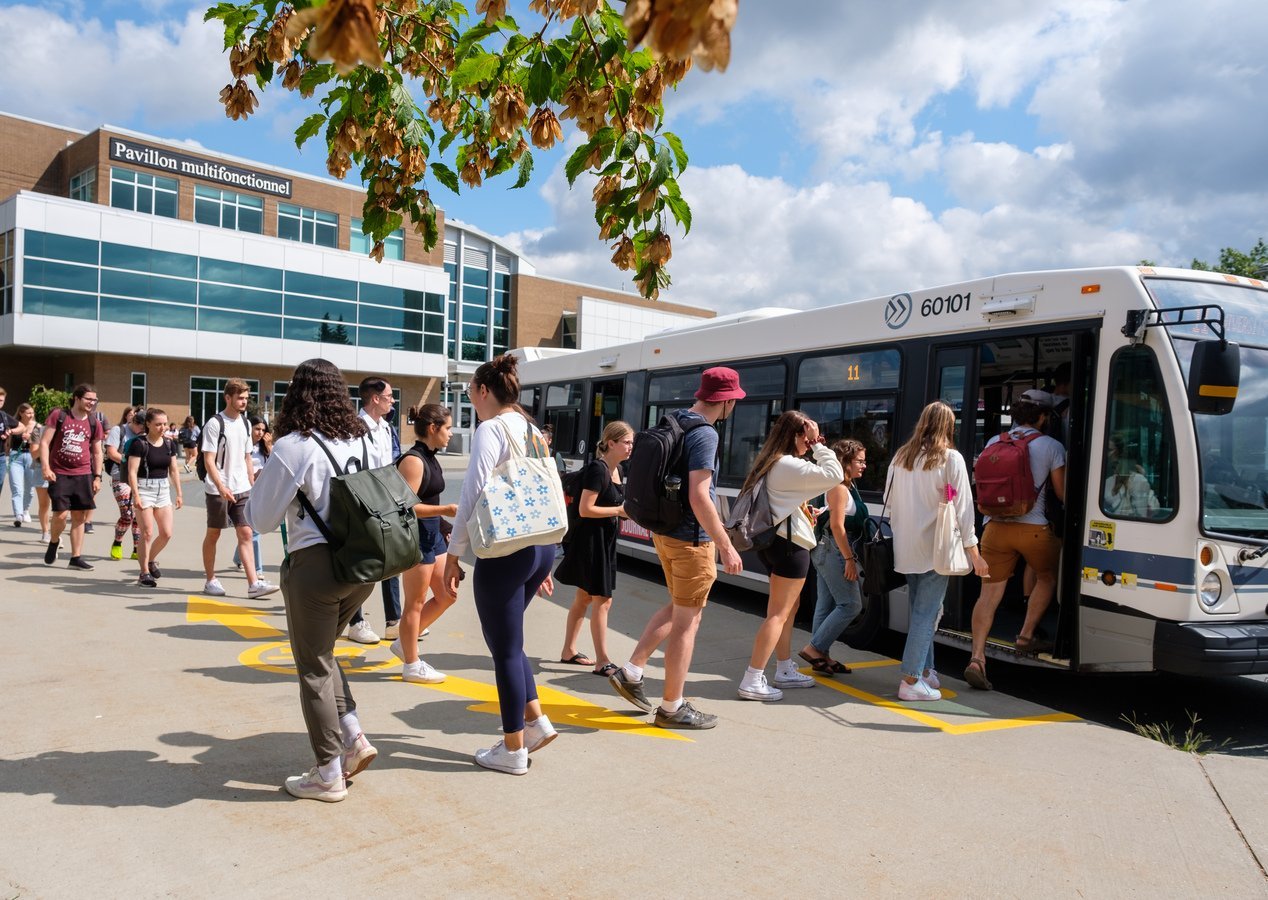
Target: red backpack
[1005,484]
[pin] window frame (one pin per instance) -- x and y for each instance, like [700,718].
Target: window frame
[1168,437]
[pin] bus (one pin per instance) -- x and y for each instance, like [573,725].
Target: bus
[1167,387]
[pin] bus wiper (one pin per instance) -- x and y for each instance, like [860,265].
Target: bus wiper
[1246,554]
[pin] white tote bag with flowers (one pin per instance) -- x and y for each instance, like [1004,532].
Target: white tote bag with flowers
[522,503]
[949,557]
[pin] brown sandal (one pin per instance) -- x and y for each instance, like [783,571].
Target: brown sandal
[975,674]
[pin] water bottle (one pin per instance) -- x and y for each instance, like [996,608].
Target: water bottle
[672,484]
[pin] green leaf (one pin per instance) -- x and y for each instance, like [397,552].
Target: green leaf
[525,170]
[431,233]
[576,163]
[417,132]
[675,144]
[470,38]
[540,79]
[475,69]
[501,163]
[661,170]
[445,176]
[629,143]
[402,100]
[446,139]
[315,76]
[681,211]
[308,128]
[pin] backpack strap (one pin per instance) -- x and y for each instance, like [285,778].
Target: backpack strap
[307,504]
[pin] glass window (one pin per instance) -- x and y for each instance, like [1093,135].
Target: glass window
[6,272]
[384,295]
[477,334]
[56,246]
[474,296]
[138,389]
[393,244]
[227,297]
[148,287]
[140,259]
[227,209]
[308,226]
[474,315]
[230,322]
[742,435]
[391,318]
[137,312]
[433,343]
[60,275]
[681,386]
[42,302]
[84,187]
[389,340]
[767,379]
[320,286]
[475,277]
[312,308]
[142,192]
[327,331]
[869,421]
[866,371]
[474,353]
[240,273]
[1140,473]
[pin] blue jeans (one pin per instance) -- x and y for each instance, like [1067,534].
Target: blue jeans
[24,475]
[925,593]
[391,591]
[4,468]
[839,601]
[255,549]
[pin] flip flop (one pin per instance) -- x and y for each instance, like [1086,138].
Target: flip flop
[605,670]
[820,664]
[577,659]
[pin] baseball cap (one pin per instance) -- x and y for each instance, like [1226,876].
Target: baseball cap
[1040,398]
[719,384]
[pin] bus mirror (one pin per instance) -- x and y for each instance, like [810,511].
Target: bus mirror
[1213,377]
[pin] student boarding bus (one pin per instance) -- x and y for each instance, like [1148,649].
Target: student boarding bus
[1165,521]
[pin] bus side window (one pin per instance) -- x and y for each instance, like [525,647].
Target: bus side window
[1139,474]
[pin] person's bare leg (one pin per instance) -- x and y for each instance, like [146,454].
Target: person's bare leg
[209,552]
[572,626]
[783,647]
[599,630]
[146,519]
[413,588]
[783,595]
[162,531]
[684,622]
[655,634]
[58,525]
[77,519]
[984,615]
[1045,588]
[243,533]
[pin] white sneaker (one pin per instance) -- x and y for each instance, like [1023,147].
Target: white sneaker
[421,672]
[932,679]
[397,650]
[422,634]
[362,633]
[392,632]
[26,517]
[498,758]
[758,689]
[46,538]
[917,692]
[358,756]
[539,733]
[262,589]
[310,787]
[214,588]
[793,679]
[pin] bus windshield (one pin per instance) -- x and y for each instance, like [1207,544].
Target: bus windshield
[1233,448]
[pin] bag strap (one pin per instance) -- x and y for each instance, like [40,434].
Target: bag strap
[307,504]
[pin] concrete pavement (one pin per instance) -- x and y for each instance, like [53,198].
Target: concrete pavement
[149,731]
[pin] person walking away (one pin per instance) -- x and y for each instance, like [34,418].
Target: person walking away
[23,473]
[1028,536]
[318,607]
[71,455]
[688,559]
[156,488]
[915,484]
[791,481]
[42,500]
[9,428]
[261,446]
[433,426]
[504,586]
[589,561]
[188,436]
[131,423]
[376,402]
[226,450]
[838,597]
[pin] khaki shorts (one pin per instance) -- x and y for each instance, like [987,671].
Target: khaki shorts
[1004,542]
[690,569]
[223,514]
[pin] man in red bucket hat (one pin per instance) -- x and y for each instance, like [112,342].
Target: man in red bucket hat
[687,556]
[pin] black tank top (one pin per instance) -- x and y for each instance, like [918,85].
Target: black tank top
[433,483]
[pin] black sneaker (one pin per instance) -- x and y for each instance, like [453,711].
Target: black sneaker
[88,528]
[686,717]
[77,562]
[630,690]
[50,555]
[155,572]
[147,580]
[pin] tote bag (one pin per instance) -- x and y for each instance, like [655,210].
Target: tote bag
[522,503]
[949,557]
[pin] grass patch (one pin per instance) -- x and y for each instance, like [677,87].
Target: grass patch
[1191,740]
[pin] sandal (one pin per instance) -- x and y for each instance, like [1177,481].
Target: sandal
[577,659]
[820,664]
[1031,646]
[605,670]
[839,667]
[975,674]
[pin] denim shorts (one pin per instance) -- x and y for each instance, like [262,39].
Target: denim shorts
[431,543]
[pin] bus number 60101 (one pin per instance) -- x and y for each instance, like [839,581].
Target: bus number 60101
[936,306]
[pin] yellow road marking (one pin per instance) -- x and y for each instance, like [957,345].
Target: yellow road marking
[241,620]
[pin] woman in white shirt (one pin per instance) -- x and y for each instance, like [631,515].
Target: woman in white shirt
[316,424]
[505,585]
[916,483]
[791,480]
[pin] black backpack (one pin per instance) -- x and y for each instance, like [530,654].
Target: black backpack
[751,524]
[200,464]
[656,476]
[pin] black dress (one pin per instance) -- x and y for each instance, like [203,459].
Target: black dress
[590,552]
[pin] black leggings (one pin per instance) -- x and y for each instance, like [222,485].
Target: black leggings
[503,589]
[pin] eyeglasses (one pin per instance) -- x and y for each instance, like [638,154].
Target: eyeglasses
[87,399]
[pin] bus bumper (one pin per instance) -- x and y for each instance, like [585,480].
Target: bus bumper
[1214,648]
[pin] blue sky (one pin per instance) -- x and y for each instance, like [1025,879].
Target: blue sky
[850,150]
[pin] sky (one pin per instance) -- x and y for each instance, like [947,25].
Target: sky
[850,150]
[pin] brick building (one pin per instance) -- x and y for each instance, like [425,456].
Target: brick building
[156,272]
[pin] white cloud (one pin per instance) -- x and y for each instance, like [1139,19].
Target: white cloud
[72,70]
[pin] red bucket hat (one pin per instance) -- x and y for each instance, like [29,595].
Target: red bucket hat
[719,384]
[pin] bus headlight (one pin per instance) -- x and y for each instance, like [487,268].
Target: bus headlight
[1210,590]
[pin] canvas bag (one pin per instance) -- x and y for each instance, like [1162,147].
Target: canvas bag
[750,523]
[879,576]
[949,557]
[522,503]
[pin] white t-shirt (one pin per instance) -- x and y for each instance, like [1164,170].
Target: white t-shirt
[380,437]
[232,460]
[1046,456]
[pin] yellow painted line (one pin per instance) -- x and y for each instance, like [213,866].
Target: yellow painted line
[924,718]
[241,620]
[561,707]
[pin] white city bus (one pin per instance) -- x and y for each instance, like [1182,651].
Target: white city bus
[1174,582]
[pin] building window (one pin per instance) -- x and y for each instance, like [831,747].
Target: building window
[308,226]
[225,209]
[568,331]
[393,244]
[138,389]
[141,192]
[84,186]
[6,272]
[207,397]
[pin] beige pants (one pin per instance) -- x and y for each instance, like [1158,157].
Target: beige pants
[318,608]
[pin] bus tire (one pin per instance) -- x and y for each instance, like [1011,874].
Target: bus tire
[868,624]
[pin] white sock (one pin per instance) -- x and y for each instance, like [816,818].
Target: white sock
[671,706]
[528,722]
[632,672]
[331,771]
[351,728]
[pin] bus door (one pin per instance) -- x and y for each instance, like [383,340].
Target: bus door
[606,403]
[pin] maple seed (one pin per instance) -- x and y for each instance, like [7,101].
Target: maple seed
[624,258]
[345,32]
[660,250]
[545,129]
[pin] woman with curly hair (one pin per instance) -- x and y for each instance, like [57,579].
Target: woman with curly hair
[317,425]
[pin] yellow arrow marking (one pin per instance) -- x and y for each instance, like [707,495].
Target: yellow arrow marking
[242,621]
